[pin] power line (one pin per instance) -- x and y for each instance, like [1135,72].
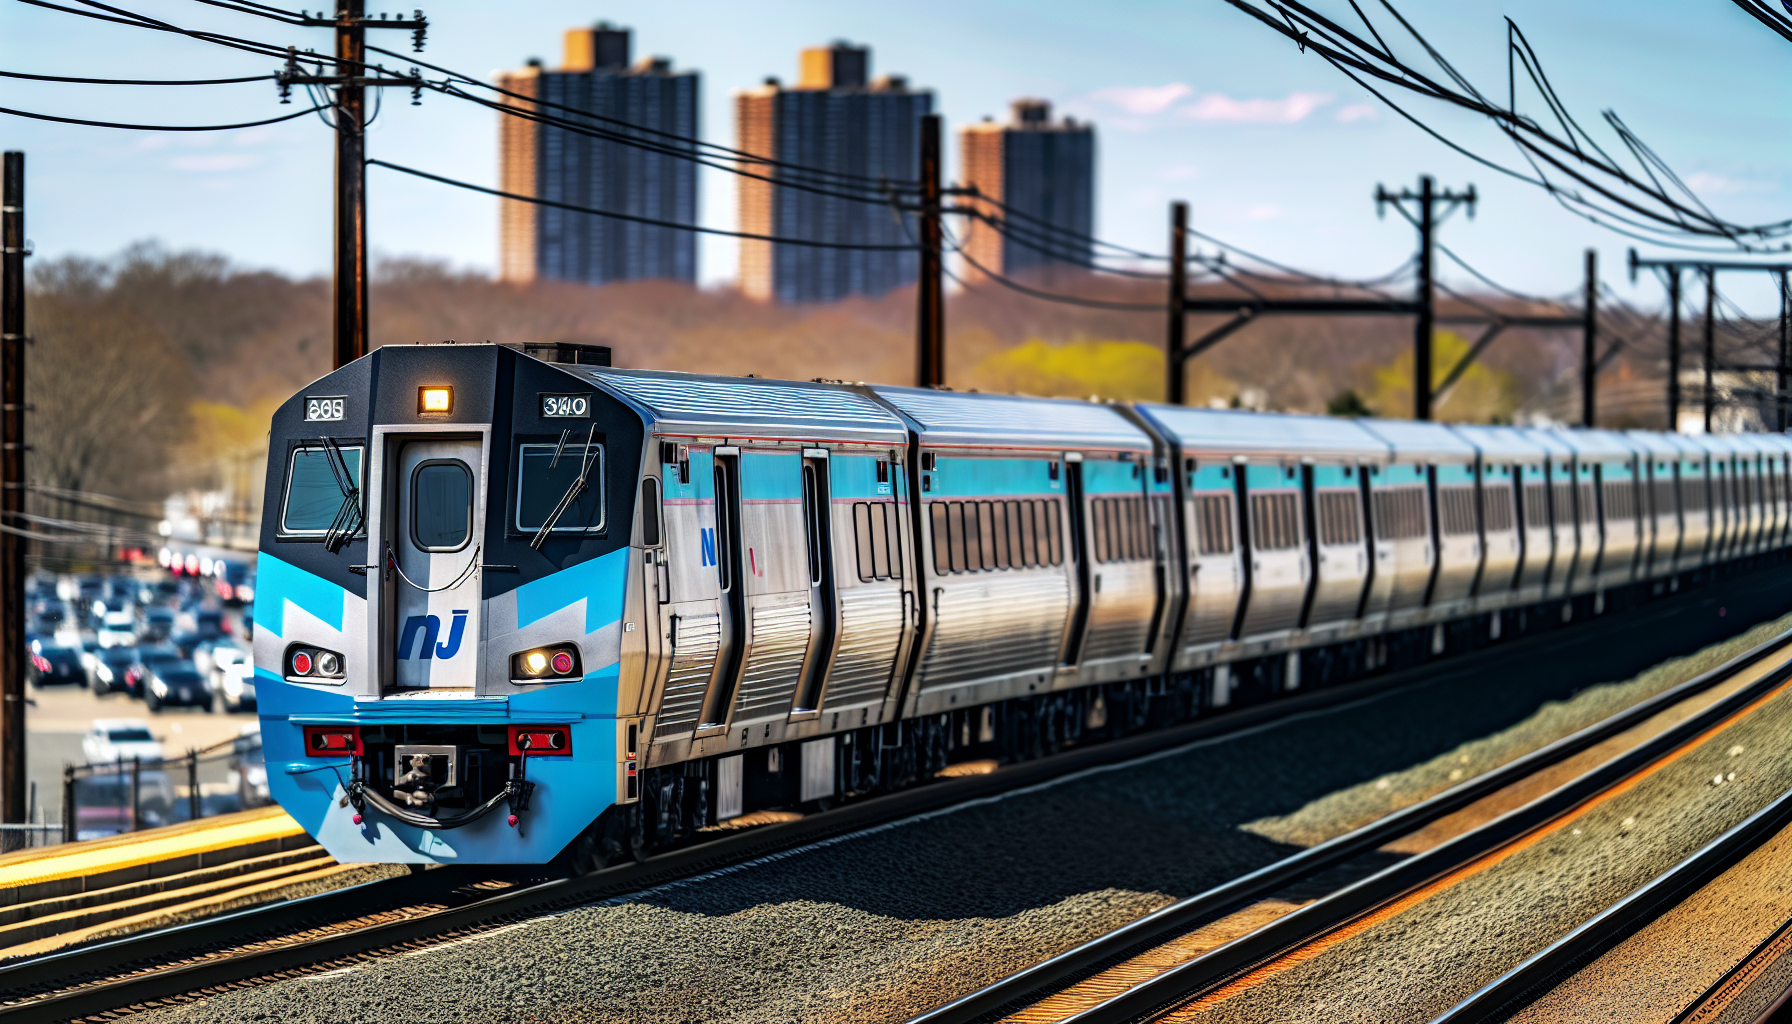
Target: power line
[654,222]
[135,81]
[157,127]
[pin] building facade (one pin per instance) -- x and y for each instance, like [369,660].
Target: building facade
[1037,177]
[598,89]
[835,119]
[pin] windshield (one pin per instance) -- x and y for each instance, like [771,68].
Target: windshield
[132,735]
[181,675]
[313,497]
[541,484]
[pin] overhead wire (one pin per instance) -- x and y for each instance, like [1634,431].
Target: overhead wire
[158,127]
[134,81]
[633,219]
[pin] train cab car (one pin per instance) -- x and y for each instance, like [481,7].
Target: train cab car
[1300,574]
[1515,555]
[1605,466]
[1037,545]
[1658,462]
[1450,547]
[444,575]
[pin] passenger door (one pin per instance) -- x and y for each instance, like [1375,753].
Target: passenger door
[433,543]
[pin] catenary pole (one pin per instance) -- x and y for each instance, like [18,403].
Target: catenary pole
[351,183]
[1710,341]
[12,487]
[1427,298]
[1177,390]
[930,311]
[1673,348]
[1589,356]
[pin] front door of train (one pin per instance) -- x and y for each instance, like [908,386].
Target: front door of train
[433,552]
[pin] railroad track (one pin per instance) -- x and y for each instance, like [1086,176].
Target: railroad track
[1218,941]
[112,979]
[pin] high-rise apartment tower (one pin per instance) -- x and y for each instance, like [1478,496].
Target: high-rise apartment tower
[1039,179]
[835,119]
[597,89]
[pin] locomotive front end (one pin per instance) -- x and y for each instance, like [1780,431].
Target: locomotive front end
[442,603]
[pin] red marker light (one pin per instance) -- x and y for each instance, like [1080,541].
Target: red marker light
[333,740]
[562,663]
[301,664]
[540,740]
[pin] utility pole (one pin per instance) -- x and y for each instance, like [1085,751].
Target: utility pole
[1710,341]
[1426,221]
[930,312]
[352,78]
[1176,391]
[1782,369]
[351,183]
[12,487]
[1589,358]
[1673,345]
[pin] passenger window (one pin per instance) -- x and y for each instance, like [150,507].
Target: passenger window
[313,495]
[650,513]
[1054,536]
[542,483]
[942,537]
[442,505]
[874,526]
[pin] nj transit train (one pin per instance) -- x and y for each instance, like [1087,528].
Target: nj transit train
[511,610]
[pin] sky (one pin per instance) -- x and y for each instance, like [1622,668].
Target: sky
[1274,150]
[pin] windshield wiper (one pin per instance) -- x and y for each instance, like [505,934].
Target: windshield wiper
[348,517]
[574,490]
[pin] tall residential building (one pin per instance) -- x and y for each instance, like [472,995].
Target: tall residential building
[550,162]
[834,119]
[1043,173]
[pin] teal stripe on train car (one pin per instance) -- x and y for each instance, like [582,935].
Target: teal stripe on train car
[1272,478]
[1455,473]
[1401,474]
[1616,470]
[771,476]
[277,582]
[855,476]
[963,477]
[599,582]
[1113,476]
[1210,478]
[1334,476]
[703,480]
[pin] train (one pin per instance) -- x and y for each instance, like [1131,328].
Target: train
[517,606]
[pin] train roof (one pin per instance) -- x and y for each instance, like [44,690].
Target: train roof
[1500,444]
[975,420]
[1549,440]
[1598,445]
[748,406]
[1418,441]
[1228,432]
[1653,443]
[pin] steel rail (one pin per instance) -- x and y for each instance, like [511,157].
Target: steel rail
[136,969]
[1559,960]
[94,978]
[1180,982]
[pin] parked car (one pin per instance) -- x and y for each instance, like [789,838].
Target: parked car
[103,803]
[157,623]
[119,739]
[117,629]
[236,685]
[213,655]
[249,769]
[108,667]
[56,664]
[147,656]
[174,681]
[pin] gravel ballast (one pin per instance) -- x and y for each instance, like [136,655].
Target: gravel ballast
[881,926]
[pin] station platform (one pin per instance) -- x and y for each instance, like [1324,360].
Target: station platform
[51,872]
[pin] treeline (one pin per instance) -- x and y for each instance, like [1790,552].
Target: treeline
[154,371]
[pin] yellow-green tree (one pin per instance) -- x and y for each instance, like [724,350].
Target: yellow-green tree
[1481,395]
[1129,370]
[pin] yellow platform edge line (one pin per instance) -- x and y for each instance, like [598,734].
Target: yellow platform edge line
[75,859]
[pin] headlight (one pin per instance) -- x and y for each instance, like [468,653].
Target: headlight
[556,663]
[158,687]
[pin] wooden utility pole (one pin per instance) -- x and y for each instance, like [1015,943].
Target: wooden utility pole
[930,311]
[1589,358]
[1176,393]
[12,488]
[1426,220]
[351,183]
[1710,343]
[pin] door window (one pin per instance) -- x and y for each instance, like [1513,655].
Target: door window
[441,505]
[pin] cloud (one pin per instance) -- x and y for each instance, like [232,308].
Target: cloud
[1181,101]
[1180,172]
[1263,213]
[1222,108]
[214,163]
[1143,99]
[1707,182]
[1356,112]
